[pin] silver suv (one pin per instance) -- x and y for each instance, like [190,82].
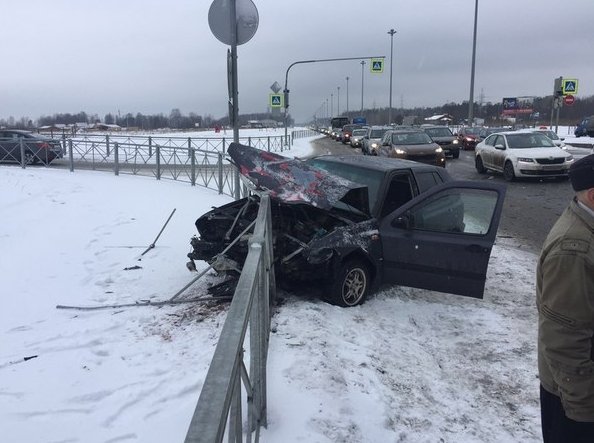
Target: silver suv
[373,140]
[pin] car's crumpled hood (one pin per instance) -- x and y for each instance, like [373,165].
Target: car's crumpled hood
[293,181]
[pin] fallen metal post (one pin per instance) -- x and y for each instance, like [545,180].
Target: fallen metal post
[152,245]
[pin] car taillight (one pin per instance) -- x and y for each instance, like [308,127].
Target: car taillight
[42,145]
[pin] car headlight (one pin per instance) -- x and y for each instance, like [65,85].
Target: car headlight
[569,158]
[438,149]
[525,159]
[468,139]
[399,151]
[374,145]
[455,142]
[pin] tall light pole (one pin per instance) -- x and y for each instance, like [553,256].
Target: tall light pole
[331,105]
[471,100]
[347,94]
[391,32]
[362,72]
[338,102]
[327,110]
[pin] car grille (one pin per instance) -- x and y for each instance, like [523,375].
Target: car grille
[553,172]
[550,161]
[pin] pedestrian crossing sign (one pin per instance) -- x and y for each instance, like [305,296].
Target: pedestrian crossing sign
[377,65]
[569,86]
[276,100]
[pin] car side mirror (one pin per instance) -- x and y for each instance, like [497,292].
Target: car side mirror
[402,221]
[500,146]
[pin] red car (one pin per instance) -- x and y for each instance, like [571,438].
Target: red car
[468,137]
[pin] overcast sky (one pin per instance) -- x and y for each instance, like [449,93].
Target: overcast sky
[152,56]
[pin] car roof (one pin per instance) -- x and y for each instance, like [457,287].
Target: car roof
[400,131]
[376,163]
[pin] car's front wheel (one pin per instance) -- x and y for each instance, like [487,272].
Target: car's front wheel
[478,164]
[351,284]
[508,171]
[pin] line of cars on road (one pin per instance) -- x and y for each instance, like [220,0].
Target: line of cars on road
[425,144]
[532,152]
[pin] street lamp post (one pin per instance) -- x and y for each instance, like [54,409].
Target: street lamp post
[391,32]
[362,72]
[338,101]
[347,95]
[286,90]
[471,100]
[331,105]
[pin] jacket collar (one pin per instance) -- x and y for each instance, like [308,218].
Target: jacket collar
[583,213]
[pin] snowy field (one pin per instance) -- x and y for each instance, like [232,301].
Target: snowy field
[407,366]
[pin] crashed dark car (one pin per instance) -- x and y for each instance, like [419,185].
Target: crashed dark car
[350,224]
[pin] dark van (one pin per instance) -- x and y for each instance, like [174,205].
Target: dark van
[585,127]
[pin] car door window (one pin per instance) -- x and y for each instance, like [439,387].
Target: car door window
[399,192]
[460,210]
[498,140]
[427,179]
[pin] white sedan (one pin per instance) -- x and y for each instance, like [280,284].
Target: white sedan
[522,154]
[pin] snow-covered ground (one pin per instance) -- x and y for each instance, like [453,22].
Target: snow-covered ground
[407,366]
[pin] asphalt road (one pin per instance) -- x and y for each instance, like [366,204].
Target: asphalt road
[530,209]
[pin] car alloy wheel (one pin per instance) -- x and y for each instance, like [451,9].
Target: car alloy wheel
[508,171]
[351,285]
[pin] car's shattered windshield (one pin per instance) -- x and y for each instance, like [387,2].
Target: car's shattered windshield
[372,179]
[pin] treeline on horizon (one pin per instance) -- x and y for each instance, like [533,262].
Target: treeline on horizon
[490,112]
[175,120]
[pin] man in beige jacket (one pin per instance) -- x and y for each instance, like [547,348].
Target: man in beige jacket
[565,302]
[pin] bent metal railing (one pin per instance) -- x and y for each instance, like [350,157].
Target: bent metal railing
[220,407]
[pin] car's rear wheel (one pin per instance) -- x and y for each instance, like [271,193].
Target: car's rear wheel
[478,164]
[456,154]
[508,171]
[351,284]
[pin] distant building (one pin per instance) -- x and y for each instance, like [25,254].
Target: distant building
[441,119]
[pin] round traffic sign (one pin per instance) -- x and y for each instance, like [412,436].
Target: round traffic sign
[219,20]
[568,100]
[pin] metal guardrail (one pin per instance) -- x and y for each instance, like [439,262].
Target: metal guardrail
[209,169]
[220,400]
[219,410]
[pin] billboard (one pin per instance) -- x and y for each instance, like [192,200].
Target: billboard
[517,105]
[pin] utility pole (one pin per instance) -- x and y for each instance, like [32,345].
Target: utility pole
[347,95]
[471,100]
[362,75]
[391,32]
[331,105]
[338,102]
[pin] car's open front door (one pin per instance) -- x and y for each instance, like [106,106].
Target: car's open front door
[442,239]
